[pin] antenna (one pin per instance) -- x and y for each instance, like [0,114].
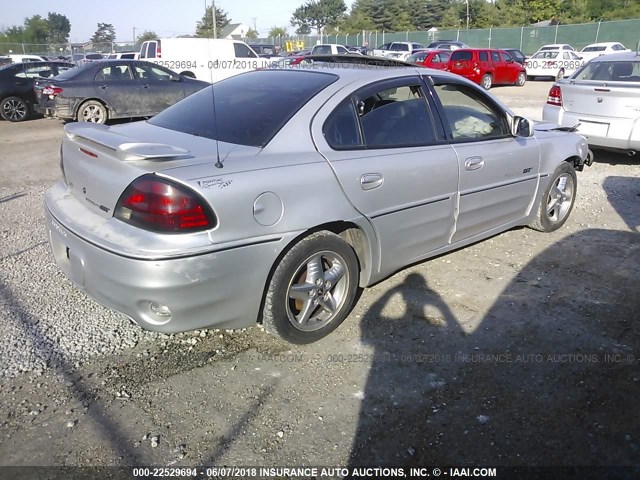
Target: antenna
[215,126]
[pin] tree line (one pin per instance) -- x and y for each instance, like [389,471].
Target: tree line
[413,15]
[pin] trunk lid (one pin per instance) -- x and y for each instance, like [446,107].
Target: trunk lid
[605,99]
[99,162]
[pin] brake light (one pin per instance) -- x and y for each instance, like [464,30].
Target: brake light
[159,205]
[555,96]
[158,51]
[52,91]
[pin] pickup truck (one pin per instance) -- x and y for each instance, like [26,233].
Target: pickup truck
[397,50]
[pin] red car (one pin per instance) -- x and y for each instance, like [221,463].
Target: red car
[438,59]
[487,67]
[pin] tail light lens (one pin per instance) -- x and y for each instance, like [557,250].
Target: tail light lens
[52,91]
[160,205]
[555,96]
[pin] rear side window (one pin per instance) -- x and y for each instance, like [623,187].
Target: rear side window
[341,130]
[495,56]
[610,71]
[459,56]
[396,117]
[250,109]
[484,56]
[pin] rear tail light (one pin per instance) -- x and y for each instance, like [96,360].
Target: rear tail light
[160,205]
[52,91]
[555,96]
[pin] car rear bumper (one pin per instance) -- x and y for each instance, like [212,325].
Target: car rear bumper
[218,289]
[606,132]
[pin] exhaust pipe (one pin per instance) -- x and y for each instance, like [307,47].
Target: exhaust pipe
[631,153]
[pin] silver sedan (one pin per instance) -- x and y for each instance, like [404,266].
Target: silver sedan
[274,196]
[603,100]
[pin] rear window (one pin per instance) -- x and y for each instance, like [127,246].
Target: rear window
[594,49]
[250,108]
[72,72]
[610,72]
[459,56]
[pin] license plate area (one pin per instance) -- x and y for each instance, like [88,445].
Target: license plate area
[597,129]
[69,262]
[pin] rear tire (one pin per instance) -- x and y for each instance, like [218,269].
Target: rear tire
[92,111]
[557,201]
[312,290]
[14,109]
[487,81]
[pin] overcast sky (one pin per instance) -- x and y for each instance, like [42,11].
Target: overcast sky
[165,17]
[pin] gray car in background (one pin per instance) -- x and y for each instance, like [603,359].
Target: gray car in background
[603,100]
[275,195]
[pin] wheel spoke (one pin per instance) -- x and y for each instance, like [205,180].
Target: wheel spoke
[314,269]
[334,274]
[552,205]
[301,291]
[307,310]
[328,303]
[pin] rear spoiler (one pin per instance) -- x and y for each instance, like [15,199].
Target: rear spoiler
[125,148]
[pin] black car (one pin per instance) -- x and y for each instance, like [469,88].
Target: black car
[516,54]
[17,97]
[447,45]
[107,89]
[264,51]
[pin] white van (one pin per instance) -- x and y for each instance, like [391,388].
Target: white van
[206,59]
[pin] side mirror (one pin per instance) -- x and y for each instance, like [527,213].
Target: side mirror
[175,78]
[522,127]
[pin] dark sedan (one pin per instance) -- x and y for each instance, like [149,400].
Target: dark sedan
[108,89]
[16,86]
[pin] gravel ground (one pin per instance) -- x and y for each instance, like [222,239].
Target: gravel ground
[401,382]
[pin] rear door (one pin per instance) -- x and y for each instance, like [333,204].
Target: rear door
[498,172]
[117,85]
[394,165]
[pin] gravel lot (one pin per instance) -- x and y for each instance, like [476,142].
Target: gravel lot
[519,350]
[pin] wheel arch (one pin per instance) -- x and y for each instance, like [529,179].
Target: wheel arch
[348,231]
[96,99]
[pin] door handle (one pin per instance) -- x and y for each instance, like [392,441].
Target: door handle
[146,85]
[103,87]
[473,163]
[369,181]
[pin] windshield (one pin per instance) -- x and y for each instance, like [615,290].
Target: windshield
[548,54]
[250,108]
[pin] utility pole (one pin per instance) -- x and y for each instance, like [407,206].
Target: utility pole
[467,14]
[213,16]
[134,36]
[255,29]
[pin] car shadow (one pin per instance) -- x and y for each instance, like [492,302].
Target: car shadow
[615,158]
[546,376]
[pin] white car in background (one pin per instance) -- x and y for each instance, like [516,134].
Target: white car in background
[564,47]
[596,49]
[329,49]
[556,64]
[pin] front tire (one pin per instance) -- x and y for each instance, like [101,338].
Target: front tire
[557,201]
[92,111]
[312,289]
[487,81]
[14,109]
[522,79]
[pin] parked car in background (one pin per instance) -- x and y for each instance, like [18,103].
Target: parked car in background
[125,55]
[169,222]
[398,50]
[329,49]
[108,89]
[487,67]
[362,50]
[438,59]
[208,59]
[516,54]
[447,45]
[4,60]
[17,98]
[563,47]
[81,58]
[596,49]
[265,50]
[27,58]
[603,100]
[553,63]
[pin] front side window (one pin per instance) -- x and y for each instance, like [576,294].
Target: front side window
[505,57]
[342,50]
[469,114]
[396,117]
[153,72]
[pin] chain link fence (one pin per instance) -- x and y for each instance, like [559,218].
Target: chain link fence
[526,39]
